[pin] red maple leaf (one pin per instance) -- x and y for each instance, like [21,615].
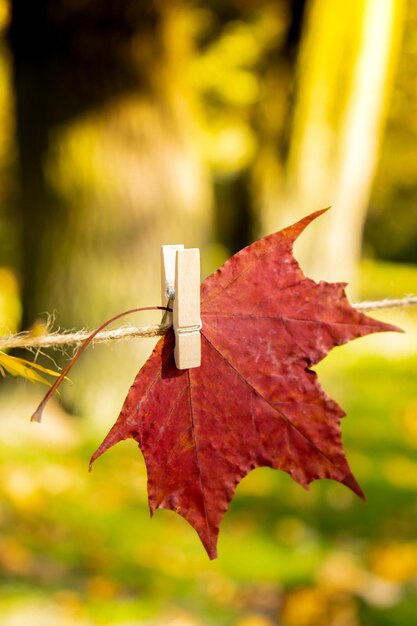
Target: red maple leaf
[254,401]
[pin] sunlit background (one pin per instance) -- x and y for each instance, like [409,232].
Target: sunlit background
[125,125]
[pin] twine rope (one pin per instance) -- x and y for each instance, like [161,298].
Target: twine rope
[57,339]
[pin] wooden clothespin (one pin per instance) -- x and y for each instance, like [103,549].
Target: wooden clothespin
[180,277]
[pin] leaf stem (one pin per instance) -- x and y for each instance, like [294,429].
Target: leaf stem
[37,415]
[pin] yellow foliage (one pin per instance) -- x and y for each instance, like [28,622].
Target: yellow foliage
[401,472]
[305,607]
[10,305]
[15,366]
[409,420]
[5,12]
[230,146]
[15,559]
[395,562]
[102,587]
[316,606]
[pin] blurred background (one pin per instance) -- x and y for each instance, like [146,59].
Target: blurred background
[125,125]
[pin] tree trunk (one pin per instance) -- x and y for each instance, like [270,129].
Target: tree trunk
[344,74]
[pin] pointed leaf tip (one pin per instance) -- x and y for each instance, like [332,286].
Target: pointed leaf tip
[295,230]
[352,484]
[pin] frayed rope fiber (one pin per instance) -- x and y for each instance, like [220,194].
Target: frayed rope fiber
[52,340]
[57,339]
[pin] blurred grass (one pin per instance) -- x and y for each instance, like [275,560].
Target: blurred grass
[381,279]
[79,548]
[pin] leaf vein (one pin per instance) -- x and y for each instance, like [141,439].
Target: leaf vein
[274,407]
